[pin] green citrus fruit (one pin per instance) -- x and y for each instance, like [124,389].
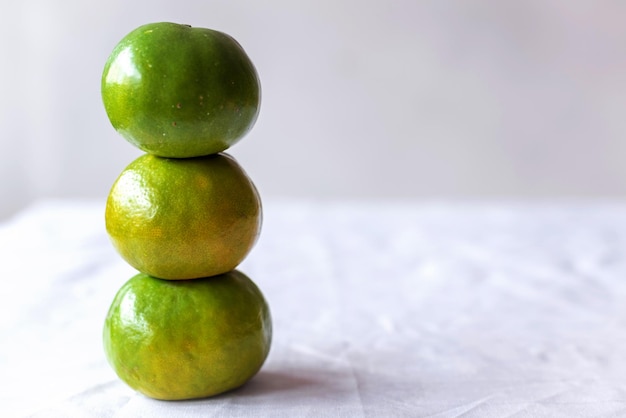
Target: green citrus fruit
[177,91]
[190,338]
[183,218]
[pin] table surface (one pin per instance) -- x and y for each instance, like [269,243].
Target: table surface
[438,309]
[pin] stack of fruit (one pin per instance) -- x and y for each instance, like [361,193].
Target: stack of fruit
[184,214]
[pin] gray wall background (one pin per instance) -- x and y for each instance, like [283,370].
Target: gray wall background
[361,99]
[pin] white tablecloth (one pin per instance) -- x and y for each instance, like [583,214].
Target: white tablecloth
[380,309]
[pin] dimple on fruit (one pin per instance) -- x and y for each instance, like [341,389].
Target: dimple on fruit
[184,214]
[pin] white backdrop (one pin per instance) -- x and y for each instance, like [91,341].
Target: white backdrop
[361,99]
